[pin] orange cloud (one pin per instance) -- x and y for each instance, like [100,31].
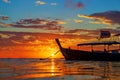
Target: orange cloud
[78,21]
[84,16]
[40,3]
[108,17]
[61,22]
[5,36]
[95,22]
[5,25]
[107,22]
[102,20]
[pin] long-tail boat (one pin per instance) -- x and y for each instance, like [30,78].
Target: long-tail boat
[105,55]
[92,55]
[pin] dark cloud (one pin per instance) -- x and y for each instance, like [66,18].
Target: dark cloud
[31,21]
[39,23]
[84,32]
[78,30]
[112,17]
[112,31]
[118,27]
[2,17]
[91,33]
[79,5]
[73,5]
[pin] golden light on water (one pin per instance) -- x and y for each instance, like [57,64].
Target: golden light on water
[52,67]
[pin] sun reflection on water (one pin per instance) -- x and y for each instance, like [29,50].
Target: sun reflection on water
[52,67]
[58,69]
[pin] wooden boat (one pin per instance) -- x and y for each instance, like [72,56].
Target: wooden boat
[106,55]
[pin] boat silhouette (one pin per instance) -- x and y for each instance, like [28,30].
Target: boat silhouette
[106,55]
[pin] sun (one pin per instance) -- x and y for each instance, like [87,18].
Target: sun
[52,55]
[52,52]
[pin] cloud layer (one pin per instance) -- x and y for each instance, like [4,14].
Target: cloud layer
[8,38]
[108,17]
[40,23]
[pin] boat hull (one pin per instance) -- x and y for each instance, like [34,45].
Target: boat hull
[70,54]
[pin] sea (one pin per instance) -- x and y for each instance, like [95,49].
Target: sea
[57,69]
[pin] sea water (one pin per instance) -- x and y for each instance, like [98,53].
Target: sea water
[58,69]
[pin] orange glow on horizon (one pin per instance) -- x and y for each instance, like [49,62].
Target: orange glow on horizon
[45,49]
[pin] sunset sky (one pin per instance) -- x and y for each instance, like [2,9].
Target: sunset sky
[28,27]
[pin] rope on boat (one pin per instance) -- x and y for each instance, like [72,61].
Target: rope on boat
[51,55]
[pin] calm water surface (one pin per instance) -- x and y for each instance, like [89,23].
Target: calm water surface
[58,69]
